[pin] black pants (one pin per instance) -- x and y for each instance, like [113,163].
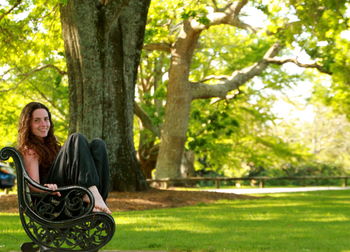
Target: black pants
[81,163]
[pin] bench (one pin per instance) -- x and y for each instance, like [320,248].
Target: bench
[53,223]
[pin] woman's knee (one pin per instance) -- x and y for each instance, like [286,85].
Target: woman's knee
[77,136]
[77,140]
[98,144]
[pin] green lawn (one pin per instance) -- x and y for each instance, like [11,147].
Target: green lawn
[311,221]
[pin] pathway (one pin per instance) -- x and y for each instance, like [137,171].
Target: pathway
[277,189]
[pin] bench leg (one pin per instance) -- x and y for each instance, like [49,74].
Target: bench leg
[29,247]
[45,249]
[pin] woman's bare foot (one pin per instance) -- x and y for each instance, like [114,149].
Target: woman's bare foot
[99,209]
[100,205]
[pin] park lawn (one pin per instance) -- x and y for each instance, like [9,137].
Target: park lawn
[310,221]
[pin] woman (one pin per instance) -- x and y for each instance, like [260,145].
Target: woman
[77,162]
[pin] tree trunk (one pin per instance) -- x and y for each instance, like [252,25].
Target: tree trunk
[181,92]
[147,155]
[103,46]
[177,111]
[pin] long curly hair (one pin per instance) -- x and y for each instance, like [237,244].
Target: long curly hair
[46,150]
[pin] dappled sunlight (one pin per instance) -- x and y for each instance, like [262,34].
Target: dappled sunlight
[286,222]
[325,218]
[9,214]
[185,221]
[145,219]
[262,203]
[214,217]
[274,223]
[11,231]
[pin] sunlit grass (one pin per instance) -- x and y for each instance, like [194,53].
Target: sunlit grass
[308,221]
[244,186]
[11,232]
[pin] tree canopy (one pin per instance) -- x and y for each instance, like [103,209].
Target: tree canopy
[206,82]
[32,65]
[224,50]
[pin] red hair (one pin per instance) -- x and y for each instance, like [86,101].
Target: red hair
[46,150]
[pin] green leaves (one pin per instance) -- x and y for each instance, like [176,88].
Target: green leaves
[234,134]
[199,15]
[31,63]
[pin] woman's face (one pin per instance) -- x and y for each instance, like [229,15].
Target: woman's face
[40,123]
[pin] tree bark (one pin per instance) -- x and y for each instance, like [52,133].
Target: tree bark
[177,111]
[103,46]
[181,92]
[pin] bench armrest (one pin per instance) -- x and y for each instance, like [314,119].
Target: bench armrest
[52,207]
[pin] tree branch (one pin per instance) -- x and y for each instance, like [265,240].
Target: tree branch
[38,69]
[213,77]
[61,114]
[228,15]
[227,98]
[165,47]
[28,74]
[296,62]
[238,78]
[234,9]
[216,8]
[11,9]
[146,121]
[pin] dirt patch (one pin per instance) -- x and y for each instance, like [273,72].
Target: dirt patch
[151,199]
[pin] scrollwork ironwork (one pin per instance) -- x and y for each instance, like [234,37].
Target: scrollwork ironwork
[90,232]
[53,207]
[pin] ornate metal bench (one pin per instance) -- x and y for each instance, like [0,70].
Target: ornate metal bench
[53,223]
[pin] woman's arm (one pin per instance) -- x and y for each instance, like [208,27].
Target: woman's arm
[31,164]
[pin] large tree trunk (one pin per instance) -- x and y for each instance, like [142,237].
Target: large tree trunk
[103,43]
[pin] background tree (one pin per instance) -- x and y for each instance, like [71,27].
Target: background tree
[263,47]
[149,108]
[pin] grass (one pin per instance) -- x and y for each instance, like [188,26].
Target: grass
[310,221]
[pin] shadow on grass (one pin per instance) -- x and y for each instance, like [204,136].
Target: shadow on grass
[312,221]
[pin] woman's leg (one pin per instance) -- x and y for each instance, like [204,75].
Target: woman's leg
[99,154]
[75,165]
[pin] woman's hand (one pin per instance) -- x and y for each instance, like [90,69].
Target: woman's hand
[53,187]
